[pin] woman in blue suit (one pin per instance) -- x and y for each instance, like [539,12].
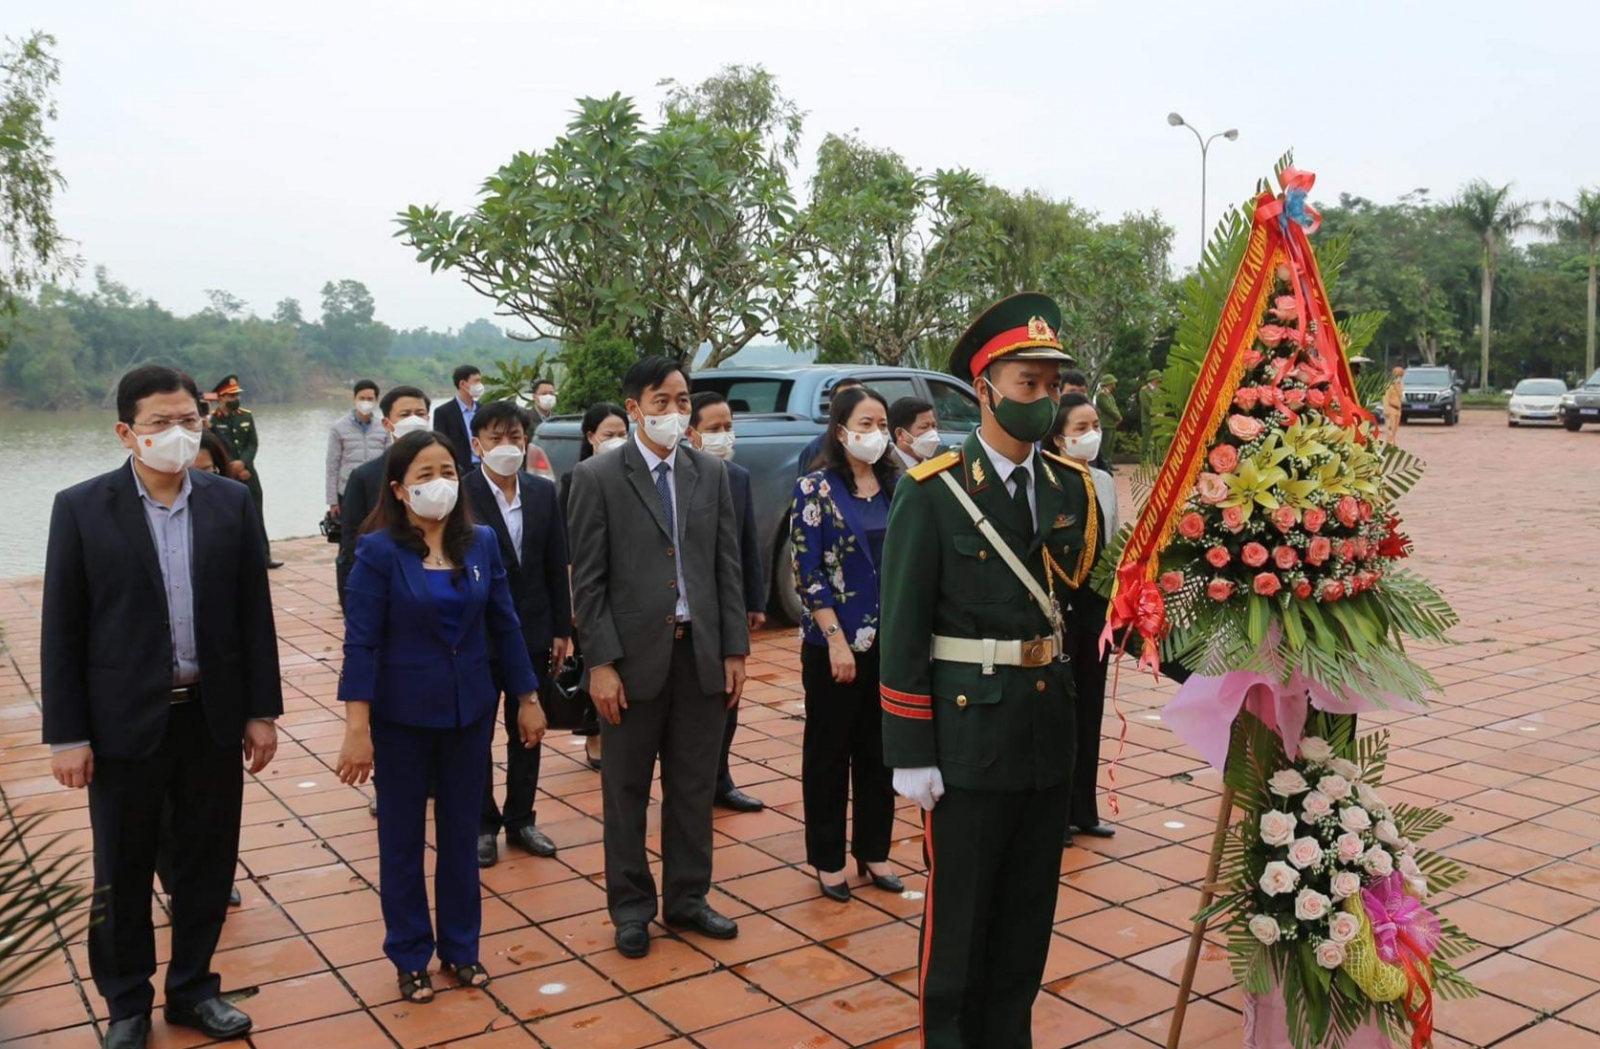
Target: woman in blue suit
[427,598]
[840,514]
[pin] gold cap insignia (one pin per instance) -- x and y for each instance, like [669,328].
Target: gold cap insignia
[1038,329]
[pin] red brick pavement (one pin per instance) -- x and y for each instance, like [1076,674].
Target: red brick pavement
[1506,523]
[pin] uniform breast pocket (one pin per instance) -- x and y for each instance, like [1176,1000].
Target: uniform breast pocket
[980,574]
[968,719]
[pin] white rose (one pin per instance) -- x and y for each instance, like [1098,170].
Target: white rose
[807,485]
[1345,885]
[1279,878]
[1378,862]
[1354,819]
[1277,828]
[1418,887]
[1344,927]
[1386,832]
[1287,782]
[1305,852]
[811,515]
[1330,955]
[1348,769]
[864,638]
[1408,867]
[838,579]
[1310,905]
[1315,748]
[1350,847]
[1407,846]
[1318,806]
[1265,928]
[1370,799]
[1335,787]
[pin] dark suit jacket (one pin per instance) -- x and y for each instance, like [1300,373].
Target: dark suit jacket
[540,586]
[744,507]
[396,653]
[624,575]
[362,491]
[106,659]
[450,423]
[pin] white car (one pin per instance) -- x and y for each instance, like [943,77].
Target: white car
[1536,401]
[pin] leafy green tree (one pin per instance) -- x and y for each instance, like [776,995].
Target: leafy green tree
[1494,218]
[594,367]
[348,335]
[225,305]
[1110,287]
[1579,221]
[288,311]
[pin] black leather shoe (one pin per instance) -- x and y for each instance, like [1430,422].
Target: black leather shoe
[839,893]
[706,922]
[131,1033]
[739,801]
[234,899]
[488,850]
[633,939]
[213,1017]
[886,882]
[1066,840]
[1099,830]
[274,564]
[531,840]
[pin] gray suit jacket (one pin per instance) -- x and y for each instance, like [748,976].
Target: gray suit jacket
[624,577]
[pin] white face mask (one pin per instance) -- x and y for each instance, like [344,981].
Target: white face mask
[1083,447]
[547,402]
[171,451]
[718,444]
[504,459]
[610,444]
[925,444]
[410,424]
[434,499]
[666,430]
[868,447]
[364,408]
[475,391]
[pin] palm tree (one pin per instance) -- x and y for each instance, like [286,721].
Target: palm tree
[1580,221]
[1495,218]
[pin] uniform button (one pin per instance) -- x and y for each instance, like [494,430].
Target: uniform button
[1038,686]
[961,701]
[672,584]
[983,555]
[672,619]
[669,551]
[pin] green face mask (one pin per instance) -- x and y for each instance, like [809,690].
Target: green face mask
[1025,421]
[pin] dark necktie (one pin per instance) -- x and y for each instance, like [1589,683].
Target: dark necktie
[1019,497]
[664,490]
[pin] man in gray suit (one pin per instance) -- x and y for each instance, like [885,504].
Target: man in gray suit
[661,618]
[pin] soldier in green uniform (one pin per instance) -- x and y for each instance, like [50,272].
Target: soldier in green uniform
[235,425]
[983,547]
[1147,413]
[1105,402]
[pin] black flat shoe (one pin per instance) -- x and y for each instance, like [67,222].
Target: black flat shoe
[488,850]
[130,1033]
[1099,830]
[707,922]
[839,893]
[886,882]
[214,1018]
[739,801]
[531,840]
[593,758]
[274,564]
[234,899]
[633,939]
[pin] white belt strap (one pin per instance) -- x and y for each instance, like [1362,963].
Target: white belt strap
[1052,611]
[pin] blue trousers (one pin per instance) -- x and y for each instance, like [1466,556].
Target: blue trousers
[453,760]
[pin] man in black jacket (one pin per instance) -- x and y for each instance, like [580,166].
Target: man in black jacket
[454,417]
[405,410]
[159,662]
[526,517]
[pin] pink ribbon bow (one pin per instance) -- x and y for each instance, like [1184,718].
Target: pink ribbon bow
[1399,921]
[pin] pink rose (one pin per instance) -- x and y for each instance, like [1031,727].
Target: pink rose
[1295,399]
[1191,525]
[1334,786]
[1252,360]
[1367,580]
[1359,545]
[1269,335]
[1213,489]
[1366,511]
[1345,884]
[1348,511]
[1316,398]
[1245,428]
[1278,878]
[1311,906]
[1285,518]
[1233,518]
[1330,955]
[1282,274]
[1219,590]
[1350,847]
[1247,397]
[1344,927]
[1267,585]
[1318,806]
[1171,582]
[1218,557]
[1285,557]
[1302,590]
[1224,458]
[1353,818]
[1277,829]
[1285,308]
[1271,396]
[1347,551]
[1304,852]
[1320,550]
[1332,590]
[1314,519]
[1254,555]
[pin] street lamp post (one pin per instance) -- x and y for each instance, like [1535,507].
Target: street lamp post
[1205,147]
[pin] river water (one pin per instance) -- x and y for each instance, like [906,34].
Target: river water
[44,452]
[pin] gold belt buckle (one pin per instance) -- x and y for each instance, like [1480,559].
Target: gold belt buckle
[1038,652]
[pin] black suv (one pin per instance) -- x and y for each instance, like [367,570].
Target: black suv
[1582,405]
[1432,393]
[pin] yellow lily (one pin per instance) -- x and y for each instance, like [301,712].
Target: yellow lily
[1251,486]
[1298,491]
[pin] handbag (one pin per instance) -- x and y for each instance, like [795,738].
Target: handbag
[331,527]
[563,696]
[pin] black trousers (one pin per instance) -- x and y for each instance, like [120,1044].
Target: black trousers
[725,784]
[204,784]
[994,866]
[522,768]
[843,742]
[682,724]
[1089,680]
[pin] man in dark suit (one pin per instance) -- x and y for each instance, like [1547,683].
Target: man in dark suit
[661,615]
[711,431]
[159,662]
[453,420]
[405,410]
[526,518]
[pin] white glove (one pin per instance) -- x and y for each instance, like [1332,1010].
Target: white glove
[923,786]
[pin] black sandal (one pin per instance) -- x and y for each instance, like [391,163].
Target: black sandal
[469,975]
[417,987]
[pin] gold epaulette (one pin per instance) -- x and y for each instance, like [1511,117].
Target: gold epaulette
[1062,460]
[932,467]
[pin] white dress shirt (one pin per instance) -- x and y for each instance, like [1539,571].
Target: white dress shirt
[511,511]
[651,461]
[907,460]
[1006,469]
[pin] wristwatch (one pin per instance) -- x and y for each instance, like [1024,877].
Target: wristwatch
[830,631]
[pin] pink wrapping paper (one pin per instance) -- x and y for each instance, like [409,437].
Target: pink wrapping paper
[1266,1026]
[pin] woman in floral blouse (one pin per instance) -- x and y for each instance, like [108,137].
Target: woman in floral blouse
[840,514]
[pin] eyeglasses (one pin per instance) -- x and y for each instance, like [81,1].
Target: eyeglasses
[188,422]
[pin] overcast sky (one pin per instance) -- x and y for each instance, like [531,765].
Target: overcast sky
[264,148]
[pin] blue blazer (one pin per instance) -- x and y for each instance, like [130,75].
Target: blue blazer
[832,561]
[396,654]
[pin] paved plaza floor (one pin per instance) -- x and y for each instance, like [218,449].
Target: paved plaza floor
[1507,522]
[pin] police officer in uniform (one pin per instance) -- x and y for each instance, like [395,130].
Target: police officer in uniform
[984,547]
[235,425]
